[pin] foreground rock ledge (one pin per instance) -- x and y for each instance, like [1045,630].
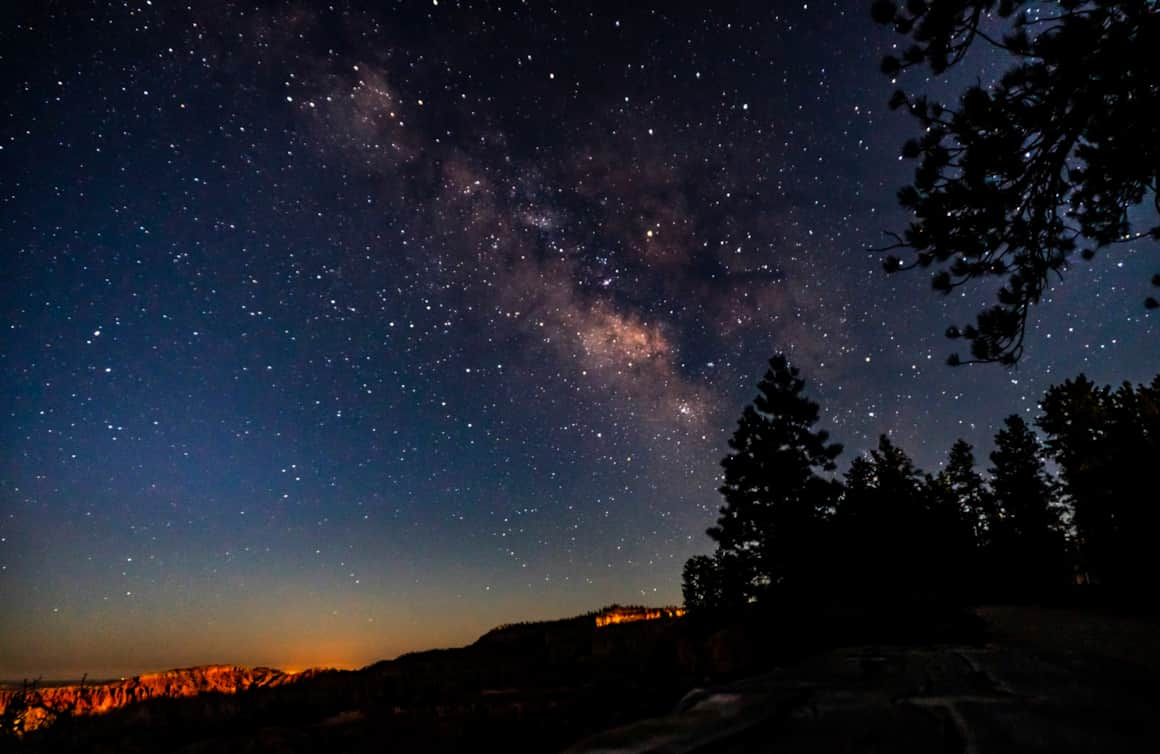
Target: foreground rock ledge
[968,699]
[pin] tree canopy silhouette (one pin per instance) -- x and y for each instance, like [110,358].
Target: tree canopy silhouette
[889,530]
[881,518]
[1107,444]
[905,531]
[1045,162]
[715,582]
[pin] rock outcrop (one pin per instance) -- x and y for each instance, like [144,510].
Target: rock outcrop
[935,699]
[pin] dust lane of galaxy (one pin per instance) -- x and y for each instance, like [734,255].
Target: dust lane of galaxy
[333,332]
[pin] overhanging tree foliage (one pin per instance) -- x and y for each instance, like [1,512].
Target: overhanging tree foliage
[1021,174]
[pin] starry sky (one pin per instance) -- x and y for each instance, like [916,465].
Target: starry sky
[332,331]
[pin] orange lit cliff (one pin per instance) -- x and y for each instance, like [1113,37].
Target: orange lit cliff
[43,704]
[618,614]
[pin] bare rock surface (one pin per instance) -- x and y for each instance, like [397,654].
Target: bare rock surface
[1018,694]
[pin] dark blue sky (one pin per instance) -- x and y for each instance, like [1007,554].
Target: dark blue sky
[331,333]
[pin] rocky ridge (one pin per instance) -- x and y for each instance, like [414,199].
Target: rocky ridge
[41,705]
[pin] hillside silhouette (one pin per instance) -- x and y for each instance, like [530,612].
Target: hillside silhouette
[537,686]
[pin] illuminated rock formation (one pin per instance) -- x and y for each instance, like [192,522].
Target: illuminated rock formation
[41,705]
[618,614]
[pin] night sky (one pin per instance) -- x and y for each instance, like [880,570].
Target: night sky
[333,333]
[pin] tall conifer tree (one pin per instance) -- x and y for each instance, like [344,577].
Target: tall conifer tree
[1028,539]
[968,490]
[776,494]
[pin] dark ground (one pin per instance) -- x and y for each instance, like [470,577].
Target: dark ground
[805,679]
[1051,680]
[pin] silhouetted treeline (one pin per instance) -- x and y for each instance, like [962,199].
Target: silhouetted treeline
[1016,532]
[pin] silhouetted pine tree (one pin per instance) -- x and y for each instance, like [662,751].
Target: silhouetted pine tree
[1107,446]
[964,514]
[715,582]
[1075,419]
[1027,540]
[776,497]
[967,488]
[861,482]
[1134,439]
[884,523]
[956,501]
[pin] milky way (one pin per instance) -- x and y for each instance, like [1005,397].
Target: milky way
[332,333]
